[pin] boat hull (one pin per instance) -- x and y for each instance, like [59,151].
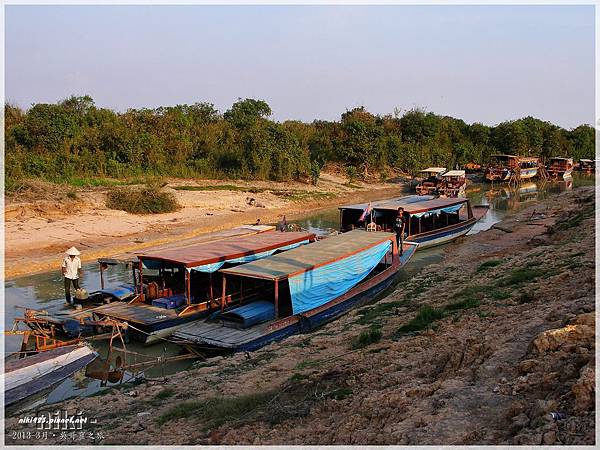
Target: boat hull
[443,235]
[529,173]
[151,334]
[28,380]
[558,175]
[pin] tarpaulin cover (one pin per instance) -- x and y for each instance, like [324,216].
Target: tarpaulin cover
[448,210]
[121,291]
[209,268]
[251,314]
[316,287]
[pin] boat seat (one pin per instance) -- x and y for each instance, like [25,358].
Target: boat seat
[247,315]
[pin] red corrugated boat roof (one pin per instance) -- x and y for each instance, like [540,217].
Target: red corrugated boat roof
[236,247]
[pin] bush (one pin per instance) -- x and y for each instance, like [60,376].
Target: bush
[367,337]
[149,199]
[426,316]
[488,264]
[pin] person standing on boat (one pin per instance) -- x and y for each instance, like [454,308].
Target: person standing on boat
[399,228]
[71,269]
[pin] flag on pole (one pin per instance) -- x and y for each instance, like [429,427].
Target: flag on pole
[366,212]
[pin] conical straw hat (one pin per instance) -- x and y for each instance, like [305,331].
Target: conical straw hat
[73,252]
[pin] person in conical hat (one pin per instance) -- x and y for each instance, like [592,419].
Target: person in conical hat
[71,269]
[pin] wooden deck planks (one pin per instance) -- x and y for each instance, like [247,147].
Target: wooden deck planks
[215,333]
[137,312]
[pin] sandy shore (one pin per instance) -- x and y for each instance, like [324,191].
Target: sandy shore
[513,342]
[37,232]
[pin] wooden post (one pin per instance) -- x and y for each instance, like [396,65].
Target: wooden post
[101,275]
[223,293]
[141,276]
[341,219]
[188,294]
[277,299]
[409,221]
[419,225]
[210,280]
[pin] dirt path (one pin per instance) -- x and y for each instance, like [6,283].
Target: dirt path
[511,343]
[38,232]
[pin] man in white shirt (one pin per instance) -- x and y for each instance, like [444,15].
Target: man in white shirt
[71,269]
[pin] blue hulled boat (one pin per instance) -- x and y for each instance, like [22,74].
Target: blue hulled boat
[299,290]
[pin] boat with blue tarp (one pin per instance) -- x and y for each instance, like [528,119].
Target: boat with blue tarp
[176,285]
[299,290]
[428,220]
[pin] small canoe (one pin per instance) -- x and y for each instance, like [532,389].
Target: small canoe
[27,376]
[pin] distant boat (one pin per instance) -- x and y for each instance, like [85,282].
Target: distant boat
[587,166]
[429,221]
[560,168]
[30,375]
[299,290]
[453,184]
[431,181]
[176,285]
[507,167]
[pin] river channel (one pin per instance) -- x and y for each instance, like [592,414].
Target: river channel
[45,290]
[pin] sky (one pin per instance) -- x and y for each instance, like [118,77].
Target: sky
[482,64]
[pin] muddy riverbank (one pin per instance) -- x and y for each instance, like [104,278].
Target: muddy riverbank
[480,348]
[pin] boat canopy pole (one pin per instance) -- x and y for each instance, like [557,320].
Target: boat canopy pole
[101,276]
[276,298]
[141,276]
[210,281]
[188,275]
[469,210]
[223,293]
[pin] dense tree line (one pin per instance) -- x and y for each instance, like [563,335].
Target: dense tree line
[75,139]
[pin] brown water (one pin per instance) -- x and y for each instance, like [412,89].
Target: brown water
[45,290]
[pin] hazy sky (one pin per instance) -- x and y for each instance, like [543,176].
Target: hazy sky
[479,63]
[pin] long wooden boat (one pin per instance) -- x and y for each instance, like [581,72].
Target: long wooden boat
[560,168]
[587,166]
[27,376]
[176,285]
[299,290]
[129,261]
[454,183]
[507,167]
[430,181]
[429,221]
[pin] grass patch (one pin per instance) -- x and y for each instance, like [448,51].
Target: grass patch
[221,187]
[488,265]
[308,364]
[367,337]
[425,317]
[520,276]
[339,394]
[368,314]
[298,377]
[467,303]
[379,350]
[149,199]
[218,410]
[102,182]
[498,294]
[303,195]
[164,394]
[525,297]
